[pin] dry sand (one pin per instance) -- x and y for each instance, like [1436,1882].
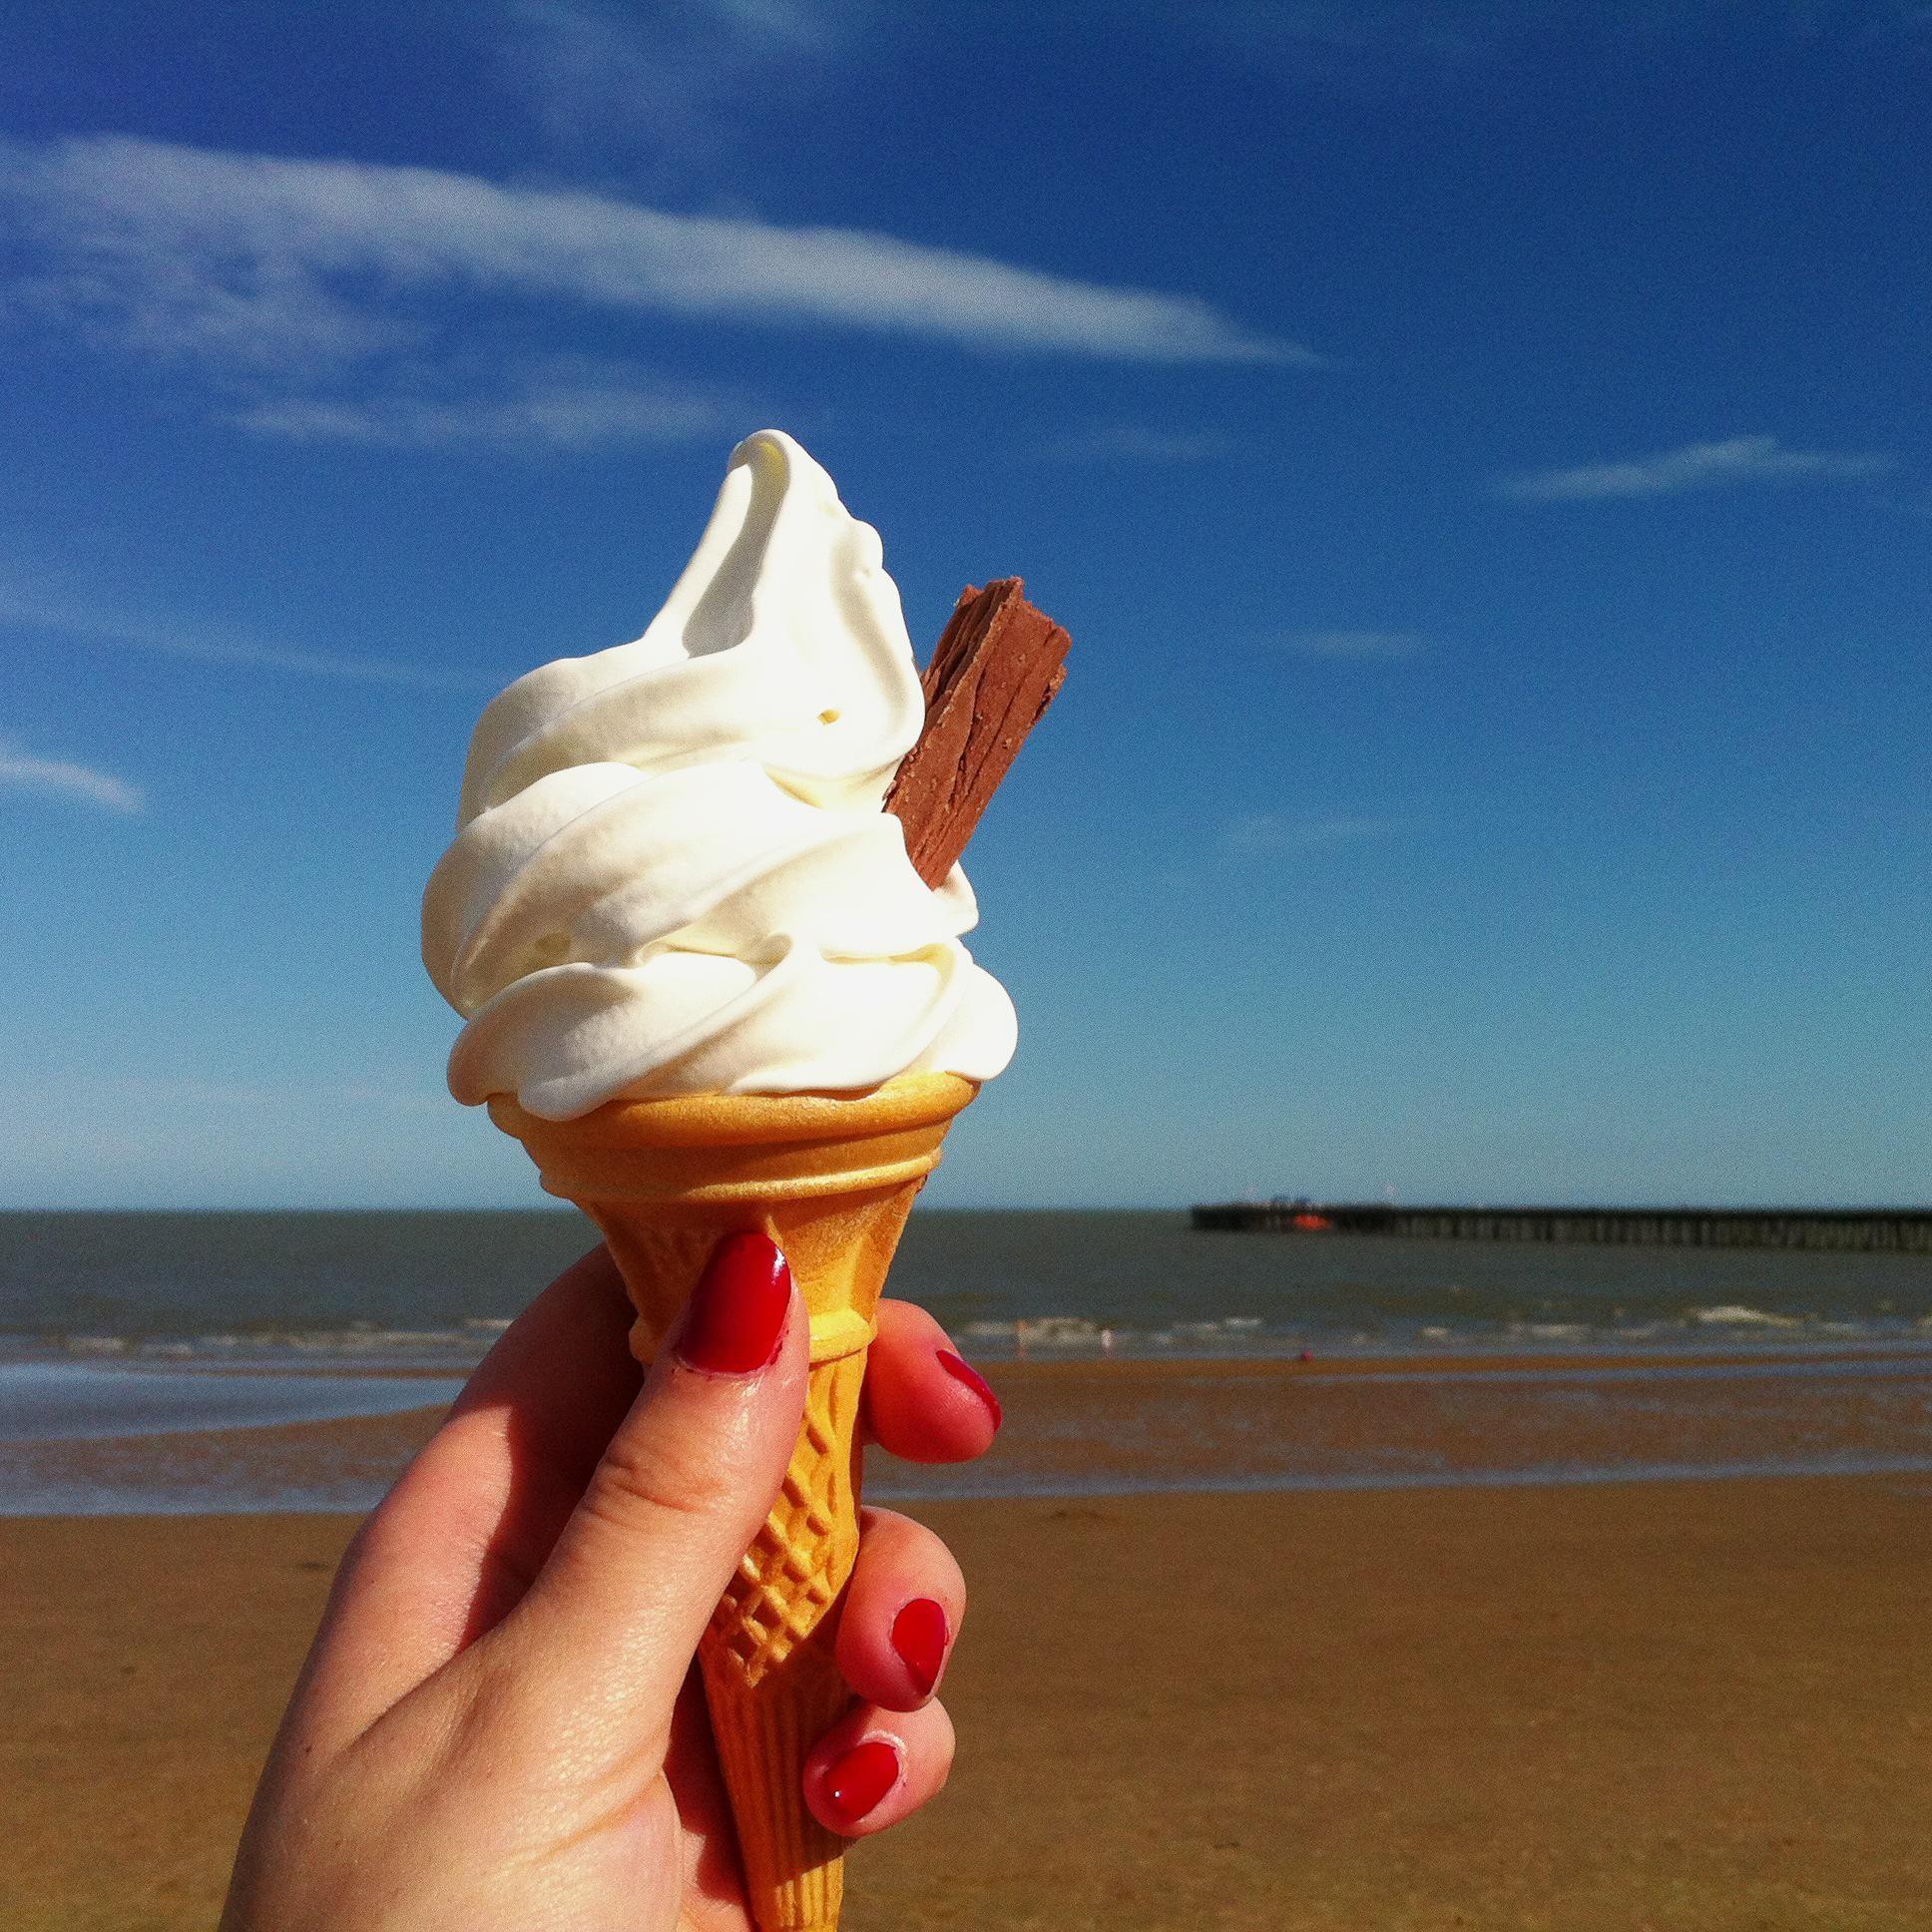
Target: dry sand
[1617,1709]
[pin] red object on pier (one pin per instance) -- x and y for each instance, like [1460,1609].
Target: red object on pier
[1313,1223]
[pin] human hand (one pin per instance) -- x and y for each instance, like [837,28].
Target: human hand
[499,1723]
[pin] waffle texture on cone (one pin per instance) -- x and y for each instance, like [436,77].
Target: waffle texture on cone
[831,1179]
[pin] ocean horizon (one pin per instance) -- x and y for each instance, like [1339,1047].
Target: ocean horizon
[186,1361]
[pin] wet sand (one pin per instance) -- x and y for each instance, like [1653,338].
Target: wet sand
[1131,1426]
[1683,1707]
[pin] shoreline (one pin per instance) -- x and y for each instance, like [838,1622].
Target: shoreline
[1075,1428]
[1695,1708]
[1056,1359]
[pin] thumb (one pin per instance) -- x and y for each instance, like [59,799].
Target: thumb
[613,1621]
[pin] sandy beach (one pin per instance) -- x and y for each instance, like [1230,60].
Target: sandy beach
[1074,1428]
[1591,1709]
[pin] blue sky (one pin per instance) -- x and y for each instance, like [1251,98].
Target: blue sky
[1480,451]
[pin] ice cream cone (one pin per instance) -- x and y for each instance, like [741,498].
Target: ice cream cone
[831,1179]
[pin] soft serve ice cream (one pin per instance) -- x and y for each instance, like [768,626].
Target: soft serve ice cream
[674,872]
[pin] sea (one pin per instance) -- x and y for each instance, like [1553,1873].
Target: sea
[161,1362]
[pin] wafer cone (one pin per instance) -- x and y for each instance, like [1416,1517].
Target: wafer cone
[830,1177]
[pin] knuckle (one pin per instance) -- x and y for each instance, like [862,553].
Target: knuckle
[638,1483]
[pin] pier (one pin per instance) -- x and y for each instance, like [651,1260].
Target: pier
[1856,1231]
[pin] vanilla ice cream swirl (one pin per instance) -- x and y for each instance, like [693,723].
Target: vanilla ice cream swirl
[673,871]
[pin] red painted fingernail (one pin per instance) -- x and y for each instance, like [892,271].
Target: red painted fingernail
[962,1370]
[734,1321]
[859,1780]
[920,1635]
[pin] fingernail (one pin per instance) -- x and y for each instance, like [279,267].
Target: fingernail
[734,1321]
[963,1372]
[858,1780]
[920,1635]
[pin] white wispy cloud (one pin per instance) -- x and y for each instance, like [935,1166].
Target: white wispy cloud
[24,771]
[255,261]
[787,23]
[1257,833]
[1361,645]
[23,612]
[567,408]
[1698,466]
[667,83]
